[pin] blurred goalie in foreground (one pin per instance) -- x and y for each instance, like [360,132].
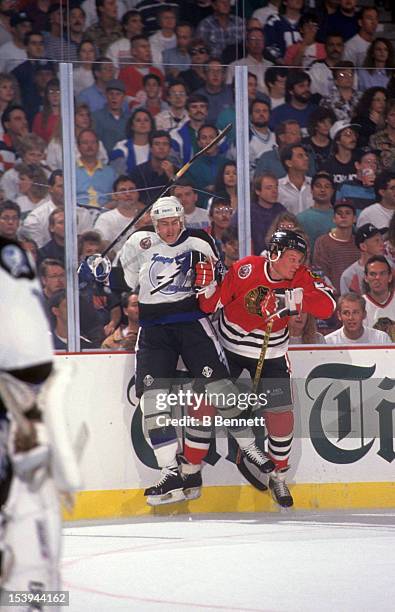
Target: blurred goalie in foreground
[37,462]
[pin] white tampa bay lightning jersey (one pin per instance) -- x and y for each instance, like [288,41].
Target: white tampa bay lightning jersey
[25,338]
[164,274]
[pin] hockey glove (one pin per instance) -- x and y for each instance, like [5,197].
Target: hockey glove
[269,306]
[293,301]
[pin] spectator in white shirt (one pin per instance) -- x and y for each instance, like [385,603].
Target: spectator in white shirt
[176,115]
[380,214]
[357,46]
[294,189]
[351,311]
[13,53]
[255,45]
[195,218]
[379,295]
[165,38]
[320,72]
[126,199]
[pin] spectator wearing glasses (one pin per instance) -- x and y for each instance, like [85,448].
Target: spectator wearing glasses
[46,122]
[343,98]
[220,213]
[194,76]
[255,44]
[176,114]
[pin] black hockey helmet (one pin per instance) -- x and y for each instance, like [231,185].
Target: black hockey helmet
[282,240]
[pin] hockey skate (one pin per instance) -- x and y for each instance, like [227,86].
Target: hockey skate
[168,490]
[280,492]
[192,485]
[258,458]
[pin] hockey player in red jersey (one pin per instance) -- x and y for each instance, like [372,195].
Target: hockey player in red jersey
[255,291]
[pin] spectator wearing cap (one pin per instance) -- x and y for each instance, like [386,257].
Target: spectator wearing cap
[107,29]
[255,45]
[298,104]
[178,58]
[336,250]
[307,50]
[294,189]
[370,242]
[379,290]
[318,219]
[132,75]
[194,77]
[13,52]
[341,164]
[351,312]
[220,29]
[343,97]
[95,95]
[318,143]
[357,46]
[381,213]
[361,188]
[110,122]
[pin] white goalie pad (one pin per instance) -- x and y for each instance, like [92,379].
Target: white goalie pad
[52,402]
[18,397]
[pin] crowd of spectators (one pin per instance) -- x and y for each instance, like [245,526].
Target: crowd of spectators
[153,84]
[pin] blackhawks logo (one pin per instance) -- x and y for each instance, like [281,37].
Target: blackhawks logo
[253,299]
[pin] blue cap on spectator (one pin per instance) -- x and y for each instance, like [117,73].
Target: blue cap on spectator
[116,84]
[19,18]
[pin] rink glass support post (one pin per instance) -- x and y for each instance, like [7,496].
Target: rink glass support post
[70,208]
[243,166]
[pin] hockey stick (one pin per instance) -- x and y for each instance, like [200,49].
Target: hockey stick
[168,186]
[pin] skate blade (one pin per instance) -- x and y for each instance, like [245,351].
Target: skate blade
[170,498]
[192,493]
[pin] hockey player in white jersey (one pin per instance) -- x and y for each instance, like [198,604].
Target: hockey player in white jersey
[162,263]
[32,397]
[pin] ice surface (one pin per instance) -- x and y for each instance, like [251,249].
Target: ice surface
[286,562]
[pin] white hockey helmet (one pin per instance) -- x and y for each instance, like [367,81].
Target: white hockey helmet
[169,206]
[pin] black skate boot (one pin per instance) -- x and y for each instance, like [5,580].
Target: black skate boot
[280,492]
[168,490]
[192,485]
[258,458]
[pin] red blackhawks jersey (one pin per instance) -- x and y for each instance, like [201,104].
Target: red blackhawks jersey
[241,325]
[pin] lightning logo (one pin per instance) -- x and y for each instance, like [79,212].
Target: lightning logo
[167,276]
[171,275]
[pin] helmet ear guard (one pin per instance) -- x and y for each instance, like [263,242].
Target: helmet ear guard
[283,240]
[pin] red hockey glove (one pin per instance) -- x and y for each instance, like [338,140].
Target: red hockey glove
[204,274]
[269,305]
